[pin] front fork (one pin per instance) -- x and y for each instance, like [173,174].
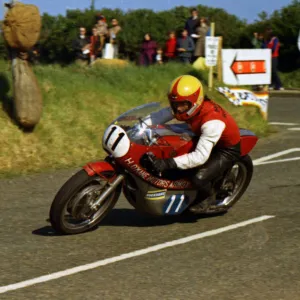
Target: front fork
[100,168]
[112,186]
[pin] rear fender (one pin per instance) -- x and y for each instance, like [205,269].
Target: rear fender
[248,141]
[100,168]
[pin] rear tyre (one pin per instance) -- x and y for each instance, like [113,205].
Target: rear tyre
[234,185]
[71,211]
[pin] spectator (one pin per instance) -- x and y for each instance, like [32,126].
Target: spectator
[272,42]
[102,30]
[81,46]
[257,40]
[99,16]
[159,55]
[94,45]
[201,33]
[185,47]
[170,48]
[34,54]
[192,23]
[113,32]
[257,43]
[148,51]
[207,23]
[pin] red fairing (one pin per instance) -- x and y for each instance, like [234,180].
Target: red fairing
[98,167]
[167,147]
[247,144]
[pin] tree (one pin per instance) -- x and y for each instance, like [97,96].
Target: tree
[263,16]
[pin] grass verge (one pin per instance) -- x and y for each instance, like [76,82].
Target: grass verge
[290,80]
[78,105]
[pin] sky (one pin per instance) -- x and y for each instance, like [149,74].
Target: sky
[244,9]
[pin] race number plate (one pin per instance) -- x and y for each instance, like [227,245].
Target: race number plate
[116,141]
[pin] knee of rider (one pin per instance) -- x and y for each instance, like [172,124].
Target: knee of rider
[200,181]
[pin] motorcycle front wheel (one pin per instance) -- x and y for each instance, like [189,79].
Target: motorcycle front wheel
[72,209]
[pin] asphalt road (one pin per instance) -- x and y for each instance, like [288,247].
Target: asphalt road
[258,261]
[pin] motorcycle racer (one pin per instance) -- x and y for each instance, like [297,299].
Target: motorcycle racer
[219,137]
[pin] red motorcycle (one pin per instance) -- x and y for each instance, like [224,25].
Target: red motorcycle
[88,196]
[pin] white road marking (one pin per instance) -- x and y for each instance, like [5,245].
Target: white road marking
[266,159]
[283,124]
[294,129]
[104,262]
[278,161]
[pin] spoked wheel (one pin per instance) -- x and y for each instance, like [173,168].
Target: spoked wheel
[73,210]
[234,185]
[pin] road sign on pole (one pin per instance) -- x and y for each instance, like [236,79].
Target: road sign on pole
[211,51]
[246,66]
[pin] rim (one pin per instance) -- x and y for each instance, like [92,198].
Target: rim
[77,213]
[239,176]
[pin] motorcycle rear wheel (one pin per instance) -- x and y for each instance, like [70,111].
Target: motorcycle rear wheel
[243,170]
[71,212]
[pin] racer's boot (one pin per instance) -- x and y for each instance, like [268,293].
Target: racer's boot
[201,205]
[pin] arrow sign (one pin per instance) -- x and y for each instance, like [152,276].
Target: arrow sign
[249,67]
[246,66]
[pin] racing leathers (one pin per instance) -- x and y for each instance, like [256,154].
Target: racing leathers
[216,151]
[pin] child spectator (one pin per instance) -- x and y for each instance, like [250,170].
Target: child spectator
[170,48]
[95,45]
[159,55]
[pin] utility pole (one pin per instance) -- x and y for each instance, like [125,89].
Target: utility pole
[92,5]
[211,69]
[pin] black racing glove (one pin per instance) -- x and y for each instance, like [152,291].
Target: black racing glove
[161,165]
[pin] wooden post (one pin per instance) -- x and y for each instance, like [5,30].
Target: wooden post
[211,69]
[93,5]
[220,65]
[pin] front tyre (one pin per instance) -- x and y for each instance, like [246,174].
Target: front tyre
[71,211]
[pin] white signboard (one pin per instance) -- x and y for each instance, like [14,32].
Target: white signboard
[211,51]
[246,66]
[299,41]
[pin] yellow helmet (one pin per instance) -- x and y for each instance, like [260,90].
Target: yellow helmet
[186,89]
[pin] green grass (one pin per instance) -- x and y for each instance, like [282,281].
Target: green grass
[79,103]
[290,80]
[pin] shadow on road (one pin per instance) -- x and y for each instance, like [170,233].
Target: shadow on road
[45,231]
[132,218]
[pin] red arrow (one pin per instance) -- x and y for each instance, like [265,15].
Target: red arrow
[249,67]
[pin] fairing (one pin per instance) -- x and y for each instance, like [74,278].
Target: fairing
[248,141]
